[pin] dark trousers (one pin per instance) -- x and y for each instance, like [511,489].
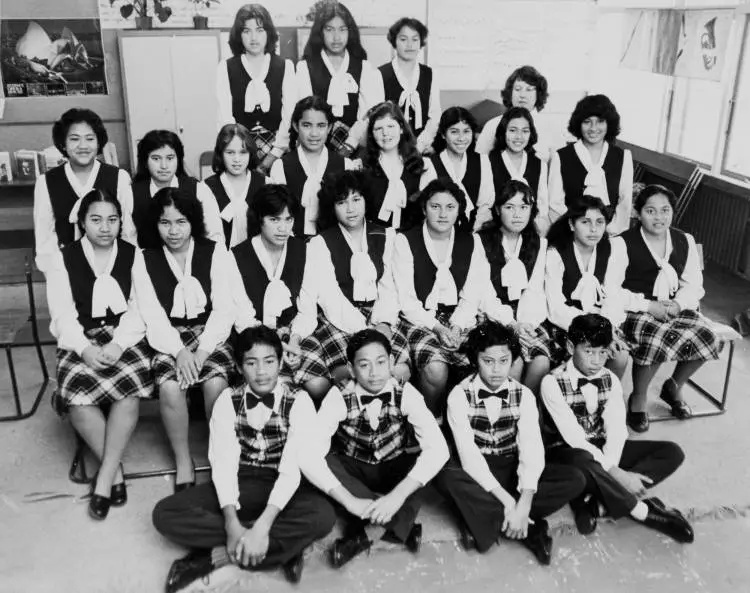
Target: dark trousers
[656,459]
[193,518]
[368,480]
[484,514]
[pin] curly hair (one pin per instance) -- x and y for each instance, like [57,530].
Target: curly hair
[188,206]
[313,103]
[592,329]
[486,335]
[595,106]
[560,233]
[509,191]
[407,145]
[98,195]
[228,133]
[323,12]
[502,128]
[252,12]
[445,185]
[451,117]
[335,189]
[530,76]
[270,200]
[412,23]
[649,192]
[154,140]
[74,116]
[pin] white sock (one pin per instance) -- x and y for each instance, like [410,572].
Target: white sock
[640,511]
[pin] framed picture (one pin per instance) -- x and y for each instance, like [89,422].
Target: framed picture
[27,165]
[6,173]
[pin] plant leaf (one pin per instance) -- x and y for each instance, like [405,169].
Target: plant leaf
[163,12]
[126,11]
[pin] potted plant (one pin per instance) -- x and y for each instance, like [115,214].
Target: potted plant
[143,20]
[200,21]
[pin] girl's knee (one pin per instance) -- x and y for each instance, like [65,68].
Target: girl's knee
[317,387]
[435,374]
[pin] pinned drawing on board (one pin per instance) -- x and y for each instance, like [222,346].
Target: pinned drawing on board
[51,57]
[703,42]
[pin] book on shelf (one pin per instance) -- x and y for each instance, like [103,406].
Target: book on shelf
[27,165]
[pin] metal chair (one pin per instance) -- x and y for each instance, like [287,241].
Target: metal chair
[13,327]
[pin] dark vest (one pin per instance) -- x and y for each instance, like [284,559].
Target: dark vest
[341,254]
[492,240]
[62,197]
[238,81]
[393,90]
[222,199]
[142,202]
[572,275]
[164,280]
[425,271]
[501,175]
[320,80]
[642,270]
[255,279]
[377,184]
[472,179]
[296,177]
[574,173]
[82,279]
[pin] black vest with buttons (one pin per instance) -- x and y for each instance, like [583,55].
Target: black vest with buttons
[393,90]
[501,175]
[572,273]
[238,81]
[574,173]
[320,80]
[222,199]
[642,270]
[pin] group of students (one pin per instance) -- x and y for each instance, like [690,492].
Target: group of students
[336,313]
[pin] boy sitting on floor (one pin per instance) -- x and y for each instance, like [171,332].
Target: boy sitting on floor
[369,420]
[500,485]
[256,431]
[584,399]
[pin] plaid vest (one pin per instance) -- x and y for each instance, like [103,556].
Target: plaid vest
[498,438]
[592,424]
[222,199]
[642,270]
[238,81]
[264,447]
[356,438]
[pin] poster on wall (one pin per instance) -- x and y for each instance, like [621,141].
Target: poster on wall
[703,44]
[650,40]
[51,58]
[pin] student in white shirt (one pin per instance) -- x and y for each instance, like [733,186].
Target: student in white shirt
[352,258]
[584,400]
[412,85]
[500,484]
[359,456]
[183,294]
[80,136]
[255,87]
[456,158]
[161,163]
[102,354]
[254,513]
[334,66]
[593,165]
[234,183]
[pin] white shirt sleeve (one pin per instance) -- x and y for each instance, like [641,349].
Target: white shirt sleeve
[530,445]
[64,324]
[559,313]
[386,306]
[532,308]
[486,198]
[542,200]
[615,427]
[465,315]
[125,197]
[630,301]
[434,450]
[555,189]
[614,302]
[403,275]
[277,174]
[621,220]
[224,113]
[428,175]
[130,330]
[690,291]
[427,137]
[222,315]
[306,320]
[486,140]
[288,101]
[224,451]
[304,85]
[211,215]
[370,94]
[244,313]
[45,236]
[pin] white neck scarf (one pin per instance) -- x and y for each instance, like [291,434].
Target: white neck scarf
[409,99]
[667,281]
[236,211]
[80,191]
[595,183]
[342,83]
[513,275]
[311,188]
[189,300]
[107,293]
[395,196]
[361,268]
[458,177]
[588,291]
[444,291]
[256,93]
[278,297]
[516,172]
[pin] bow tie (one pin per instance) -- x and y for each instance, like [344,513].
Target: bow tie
[251,400]
[384,397]
[484,394]
[584,381]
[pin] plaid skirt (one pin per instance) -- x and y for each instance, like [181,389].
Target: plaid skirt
[561,349]
[337,138]
[261,142]
[686,337]
[425,346]
[540,344]
[220,363]
[80,385]
[325,348]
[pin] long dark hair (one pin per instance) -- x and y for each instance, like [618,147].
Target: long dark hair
[252,12]
[316,104]
[560,233]
[188,206]
[323,12]
[451,117]
[270,200]
[154,140]
[98,195]
[407,145]
[228,133]
[502,128]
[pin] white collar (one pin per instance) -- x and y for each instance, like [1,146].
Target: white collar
[180,273]
[515,172]
[429,244]
[153,188]
[263,69]
[516,251]
[81,189]
[363,248]
[265,258]
[477,383]
[88,252]
[329,65]
[585,156]
[449,166]
[359,391]
[240,197]
[667,250]
[408,81]
[579,260]
[307,166]
[278,393]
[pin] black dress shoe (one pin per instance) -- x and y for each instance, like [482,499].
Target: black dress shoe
[194,566]
[119,495]
[637,421]
[668,521]
[538,540]
[413,541]
[677,405]
[346,548]
[586,513]
[467,538]
[293,568]
[98,507]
